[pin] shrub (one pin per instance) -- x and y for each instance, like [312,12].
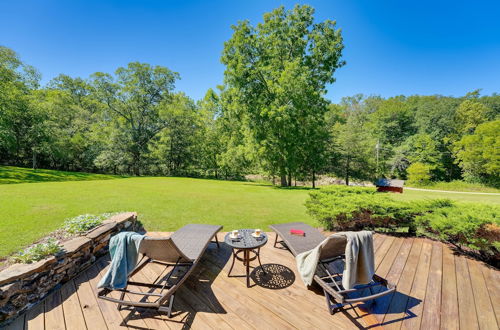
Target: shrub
[355,208]
[419,173]
[38,252]
[84,222]
[475,226]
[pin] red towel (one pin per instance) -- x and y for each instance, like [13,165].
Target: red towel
[297,232]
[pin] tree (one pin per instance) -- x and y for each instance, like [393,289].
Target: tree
[237,155]
[469,115]
[211,144]
[175,149]
[435,116]
[134,99]
[419,173]
[354,152]
[74,120]
[280,70]
[478,154]
[17,120]
[418,148]
[392,122]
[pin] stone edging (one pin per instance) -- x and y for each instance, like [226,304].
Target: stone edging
[23,285]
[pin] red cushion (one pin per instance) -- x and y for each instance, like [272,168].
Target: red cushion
[297,232]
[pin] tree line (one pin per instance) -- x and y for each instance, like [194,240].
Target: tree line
[270,116]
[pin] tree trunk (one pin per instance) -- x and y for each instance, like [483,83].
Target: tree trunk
[314,179]
[283,180]
[347,171]
[136,165]
[34,160]
[289,179]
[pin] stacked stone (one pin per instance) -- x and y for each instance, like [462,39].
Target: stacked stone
[23,285]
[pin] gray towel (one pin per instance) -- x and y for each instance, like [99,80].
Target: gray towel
[124,250]
[359,259]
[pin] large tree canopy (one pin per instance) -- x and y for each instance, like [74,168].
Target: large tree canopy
[280,69]
[478,154]
[135,98]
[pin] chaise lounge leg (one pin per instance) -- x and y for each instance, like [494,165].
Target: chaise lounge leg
[168,309]
[276,240]
[170,305]
[122,296]
[332,308]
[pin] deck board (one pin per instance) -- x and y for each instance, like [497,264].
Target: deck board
[418,289]
[35,317]
[431,319]
[397,311]
[54,315]
[492,278]
[466,303]
[71,306]
[449,296]
[91,311]
[484,310]
[436,288]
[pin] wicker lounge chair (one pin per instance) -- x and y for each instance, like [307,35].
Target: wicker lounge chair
[329,272]
[179,254]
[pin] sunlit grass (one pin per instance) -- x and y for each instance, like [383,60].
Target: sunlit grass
[460,186]
[461,197]
[30,211]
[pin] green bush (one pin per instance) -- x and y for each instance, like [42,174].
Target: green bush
[84,222]
[419,173]
[475,226]
[355,208]
[38,252]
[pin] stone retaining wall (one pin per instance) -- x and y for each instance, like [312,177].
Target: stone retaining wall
[23,285]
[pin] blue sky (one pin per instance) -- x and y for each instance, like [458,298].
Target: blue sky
[391,47]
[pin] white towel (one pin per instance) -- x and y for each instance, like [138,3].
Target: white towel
[359,259]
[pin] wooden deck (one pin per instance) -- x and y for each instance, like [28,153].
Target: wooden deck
[436,290]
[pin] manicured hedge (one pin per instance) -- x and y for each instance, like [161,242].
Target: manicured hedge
[475,226]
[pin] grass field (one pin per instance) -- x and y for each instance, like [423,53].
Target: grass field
[11,174]
[460,186]
[31,210]
[28,211]
[476,198]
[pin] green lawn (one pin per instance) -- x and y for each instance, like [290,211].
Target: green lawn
[28,211]
[459,186]
[11,174]
[461,197]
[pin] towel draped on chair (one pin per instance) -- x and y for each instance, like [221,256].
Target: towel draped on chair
[359,259]
[124,250]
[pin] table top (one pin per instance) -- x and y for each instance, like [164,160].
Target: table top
[246,240]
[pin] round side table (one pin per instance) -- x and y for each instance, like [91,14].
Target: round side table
[245,244]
